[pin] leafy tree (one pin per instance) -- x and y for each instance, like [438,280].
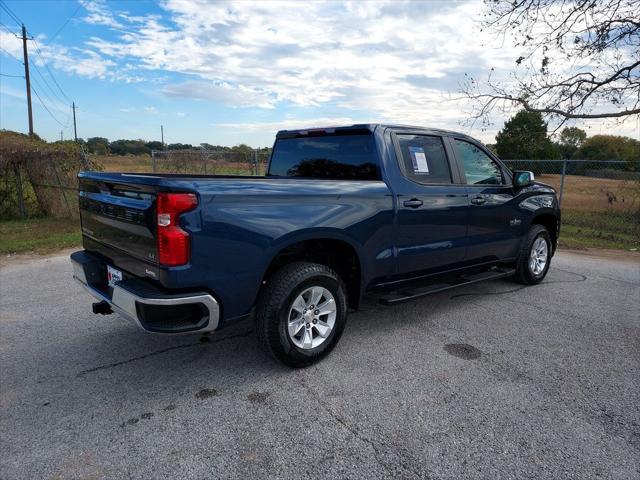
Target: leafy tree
[208,146]
[609,147]
[98,145]
[154,145]
[242,148]
[129,147]
[576,59]
[524,137]
[570,140]
[179,146]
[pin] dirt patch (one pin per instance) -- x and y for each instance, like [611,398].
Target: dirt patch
[13,259]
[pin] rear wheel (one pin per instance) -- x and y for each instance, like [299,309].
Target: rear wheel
[535,256]
[301,313]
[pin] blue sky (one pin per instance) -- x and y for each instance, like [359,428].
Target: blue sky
[236,72]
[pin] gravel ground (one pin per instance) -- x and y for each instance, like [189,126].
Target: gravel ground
[489,381]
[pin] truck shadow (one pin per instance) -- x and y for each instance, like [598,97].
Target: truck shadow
[235,354]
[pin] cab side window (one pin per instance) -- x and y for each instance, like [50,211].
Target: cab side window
[424,159]
[479,168]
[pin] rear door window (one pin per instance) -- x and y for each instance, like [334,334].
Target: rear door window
[336,157]
[423,159]
[479,168]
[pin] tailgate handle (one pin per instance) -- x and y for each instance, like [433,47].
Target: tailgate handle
[413,203]
[478,200]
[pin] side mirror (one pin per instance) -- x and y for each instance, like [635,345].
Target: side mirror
[522,178]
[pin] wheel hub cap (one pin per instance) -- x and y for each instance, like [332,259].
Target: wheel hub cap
[539,256]
[312,317]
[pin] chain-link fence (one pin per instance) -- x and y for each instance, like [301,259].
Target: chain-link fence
[210,162]
[37,179]
[600,200]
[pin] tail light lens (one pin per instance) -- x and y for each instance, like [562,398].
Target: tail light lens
[174,247]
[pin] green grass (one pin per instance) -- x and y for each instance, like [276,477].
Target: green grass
[575,236]
[613,229]
[40,235]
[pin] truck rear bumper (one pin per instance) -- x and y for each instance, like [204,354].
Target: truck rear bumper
[147,306]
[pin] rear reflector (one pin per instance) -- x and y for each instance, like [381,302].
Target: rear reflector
[174,247]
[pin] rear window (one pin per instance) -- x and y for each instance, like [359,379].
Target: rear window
[335,157]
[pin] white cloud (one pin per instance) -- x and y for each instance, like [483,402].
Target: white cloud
[388,61]
[151,110]
[220,92]
[99,14]
[11,44]
[396,60]
[290,124]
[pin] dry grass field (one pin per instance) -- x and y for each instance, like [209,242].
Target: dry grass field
[143,164]
[589,194]
[122,163]
[598,212]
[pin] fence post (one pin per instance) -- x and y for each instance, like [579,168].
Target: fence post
[23,212]
[85,158]
[564,172]
[153,161]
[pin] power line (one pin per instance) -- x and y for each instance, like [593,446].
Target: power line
[49,70]
[12,76]
[11,55]
[46,95]
[65,23]
[47,109]
[8,30]
[15,18]
[47,84]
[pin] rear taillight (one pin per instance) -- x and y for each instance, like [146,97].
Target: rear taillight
[173,242]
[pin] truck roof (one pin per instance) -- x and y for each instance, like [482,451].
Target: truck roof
[363,127]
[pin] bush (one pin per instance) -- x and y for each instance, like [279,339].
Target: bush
[48,174]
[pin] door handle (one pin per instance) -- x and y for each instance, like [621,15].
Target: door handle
[413,203]
[478,200]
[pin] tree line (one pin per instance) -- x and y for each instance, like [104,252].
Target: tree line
[525,136]
[102,146]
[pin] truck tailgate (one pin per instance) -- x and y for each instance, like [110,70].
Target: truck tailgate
[118,220]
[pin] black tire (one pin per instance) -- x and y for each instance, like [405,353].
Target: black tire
[274,304]
[524,274]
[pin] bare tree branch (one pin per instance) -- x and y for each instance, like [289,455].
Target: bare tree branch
[579,59]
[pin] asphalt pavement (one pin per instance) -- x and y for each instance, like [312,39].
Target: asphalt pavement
[489,381]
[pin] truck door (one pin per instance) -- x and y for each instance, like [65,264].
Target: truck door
[432,204]
[494,219]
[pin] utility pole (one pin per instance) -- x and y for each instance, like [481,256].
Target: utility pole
[162,136]
[75,132]
[61,135]
[26,76]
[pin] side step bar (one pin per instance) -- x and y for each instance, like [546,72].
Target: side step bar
[406,294]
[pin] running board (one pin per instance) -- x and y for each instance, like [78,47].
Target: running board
[406,294]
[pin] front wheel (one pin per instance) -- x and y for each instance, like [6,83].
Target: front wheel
[535,256]
[301,313]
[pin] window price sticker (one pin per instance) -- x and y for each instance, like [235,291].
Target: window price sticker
[419,160]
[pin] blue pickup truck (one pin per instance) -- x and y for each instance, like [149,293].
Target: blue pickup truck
[393,211]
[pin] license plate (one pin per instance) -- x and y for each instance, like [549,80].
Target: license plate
[113,275]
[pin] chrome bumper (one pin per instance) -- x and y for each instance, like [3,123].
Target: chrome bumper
[126,301]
